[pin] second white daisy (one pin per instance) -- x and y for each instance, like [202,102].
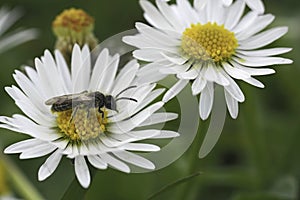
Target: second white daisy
[210,44]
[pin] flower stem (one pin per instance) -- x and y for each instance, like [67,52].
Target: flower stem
[211,130]
[22,185]
[256,141]
[193,159]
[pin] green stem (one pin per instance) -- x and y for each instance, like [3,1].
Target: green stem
[193,158]
[255,141]
[22,185]
[172,185]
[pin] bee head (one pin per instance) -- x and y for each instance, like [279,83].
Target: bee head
[110,103]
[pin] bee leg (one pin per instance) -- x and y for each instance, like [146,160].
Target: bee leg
[101,112]
[73,114]
[88,114]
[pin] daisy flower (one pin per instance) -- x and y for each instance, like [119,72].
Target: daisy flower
[10,40]
[256,5]
[214,45]
[74,126]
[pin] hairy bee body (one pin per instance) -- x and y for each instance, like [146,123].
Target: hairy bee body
[84,99]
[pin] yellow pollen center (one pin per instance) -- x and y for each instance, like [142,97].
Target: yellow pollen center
[81,124]
[208,42]
[74,19]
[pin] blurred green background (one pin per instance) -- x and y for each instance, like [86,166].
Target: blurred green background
[257,156]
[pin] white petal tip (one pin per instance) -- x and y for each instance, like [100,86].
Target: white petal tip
[204,116]
[8,151]
[41,177]
[85,185]
[176,135]
[166,99]
[234,116]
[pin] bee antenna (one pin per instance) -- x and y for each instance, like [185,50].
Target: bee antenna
[128,88]
[126,98]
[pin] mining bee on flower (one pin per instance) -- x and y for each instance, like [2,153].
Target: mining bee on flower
[87,100]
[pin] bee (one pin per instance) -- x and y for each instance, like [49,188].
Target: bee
[87,100]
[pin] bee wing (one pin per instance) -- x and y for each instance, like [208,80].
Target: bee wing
[63,98]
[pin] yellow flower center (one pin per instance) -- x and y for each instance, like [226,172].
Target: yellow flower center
[81,124]
[74,19]
[208,42]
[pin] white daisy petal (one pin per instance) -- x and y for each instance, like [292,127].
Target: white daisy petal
[125,77]
[245,22]
[220,14]
[254,71]
[22,124]
[76,69]
[44,79]
[265,52]
[152,96]
[170,15]
[263,39]
[23,145]
[174,69]
[63,71]
[148,55]
[256,5]
[109,74]
[213,74]
[254,82]
[176,59]
[128,125]
[206,101]
[210,73]
[174,90]
[260,23]
[129,108]
[234,15]
[153,16]
[140,147]
[29,109]
[115,163]
[38,151]
[199,4]
[29,89]
[166,134]
[50,65]
[234,90]
[150,77]
[187,11]
[134,159]
[97,162]
[85,68]
[189,75]
[198,85]
[159,118]
[156,35]
[261,61]
[232,105]
[129,137]
[82,171]
[235,72]
[227,2]
[99,68]
[49,165]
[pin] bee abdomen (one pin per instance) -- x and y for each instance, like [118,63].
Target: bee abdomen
[61,107]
